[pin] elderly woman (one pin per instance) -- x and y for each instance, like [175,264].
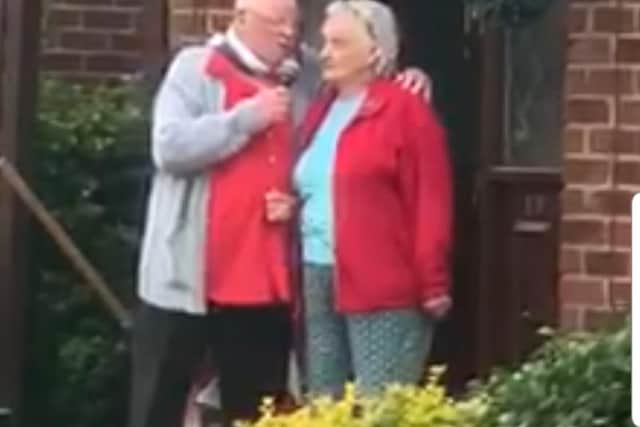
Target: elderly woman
[375,184]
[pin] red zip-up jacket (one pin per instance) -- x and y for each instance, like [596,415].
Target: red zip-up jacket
[247,259]
[392,198]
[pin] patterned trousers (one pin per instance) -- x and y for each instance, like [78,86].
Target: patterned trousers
[375,349]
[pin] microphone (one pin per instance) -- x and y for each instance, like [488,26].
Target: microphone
[289,72]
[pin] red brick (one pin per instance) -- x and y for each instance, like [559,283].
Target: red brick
[612,202]
[137,20]
[583,232]
[606,19]
[571,318]
[628,50]
[180,4]
[610,19]
[574,141]
[590,50]
[608,263]
[112,63]
[85,2]
[621,234]
[126,42]
[182,25]
[60,19]
[577,20]
[629,112]
[620,295]
[61,62]
[83,40]
[108,19]
[596,320]
[622,141]
[626,82]
[601,140]
[627,142]
[130,3]
[571,261]
[591,292]
[200,4]
[573,201]
[586,171]
[595,82]
[627,172]
[588,111]
[629,20]
[220,21]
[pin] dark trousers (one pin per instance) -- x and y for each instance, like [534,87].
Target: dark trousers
[250,347]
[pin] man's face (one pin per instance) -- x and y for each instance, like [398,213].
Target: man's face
[270,28]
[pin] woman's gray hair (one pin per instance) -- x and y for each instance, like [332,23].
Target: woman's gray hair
[381,24]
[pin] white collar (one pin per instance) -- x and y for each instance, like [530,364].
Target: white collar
[245,54]
[289,67]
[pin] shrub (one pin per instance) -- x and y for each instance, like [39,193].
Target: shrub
[88,167]
[405,406]
[578,381]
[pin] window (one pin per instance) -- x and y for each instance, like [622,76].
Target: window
[534,74]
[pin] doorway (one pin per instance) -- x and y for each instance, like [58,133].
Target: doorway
[499,95]
[434,40]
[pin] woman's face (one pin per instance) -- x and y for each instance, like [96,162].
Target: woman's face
[348,52]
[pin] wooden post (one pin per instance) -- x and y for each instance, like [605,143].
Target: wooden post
[19,47]
[155,48]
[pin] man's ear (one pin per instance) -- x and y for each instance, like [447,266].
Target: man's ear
[240,16]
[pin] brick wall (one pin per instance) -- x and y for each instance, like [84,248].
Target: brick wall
[602,159]
[191,20]
[91,38]
[102,38]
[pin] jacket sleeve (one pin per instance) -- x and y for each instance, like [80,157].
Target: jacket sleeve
[426,182]
[186,138]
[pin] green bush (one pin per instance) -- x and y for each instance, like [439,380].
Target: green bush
[578,381]
[88,160]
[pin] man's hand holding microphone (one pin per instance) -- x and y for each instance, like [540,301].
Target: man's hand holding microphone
[274,105]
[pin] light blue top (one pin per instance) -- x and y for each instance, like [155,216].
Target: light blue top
[313,179]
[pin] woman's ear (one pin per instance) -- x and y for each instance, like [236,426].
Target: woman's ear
[375,57]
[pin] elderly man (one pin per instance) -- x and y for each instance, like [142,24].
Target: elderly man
[214,271]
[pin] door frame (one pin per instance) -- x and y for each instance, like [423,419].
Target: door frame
[509,311]
[19,53]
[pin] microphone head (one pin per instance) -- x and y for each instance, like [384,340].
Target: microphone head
[289,71]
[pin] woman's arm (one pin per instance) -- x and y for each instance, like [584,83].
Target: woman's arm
[427,186]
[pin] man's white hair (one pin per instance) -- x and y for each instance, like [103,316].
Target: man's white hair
[243,4]
[249,4]
[381,24]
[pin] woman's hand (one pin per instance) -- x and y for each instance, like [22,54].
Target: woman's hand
[279,206]
[438,307]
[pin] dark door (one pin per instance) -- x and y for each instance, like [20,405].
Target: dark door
[499,94]
[434,40]
[518,181]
